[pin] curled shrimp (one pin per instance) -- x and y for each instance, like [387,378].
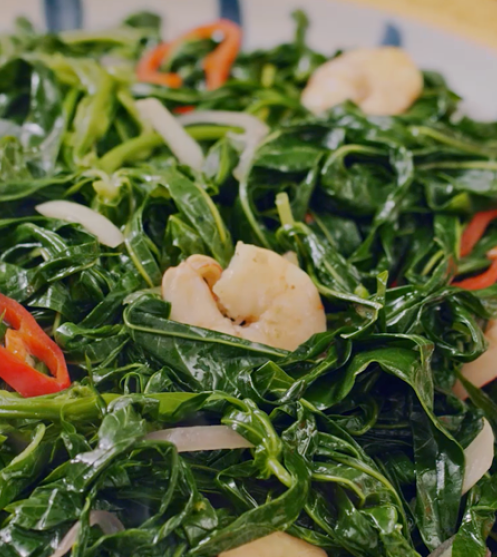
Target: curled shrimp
[381,81]
[261,297]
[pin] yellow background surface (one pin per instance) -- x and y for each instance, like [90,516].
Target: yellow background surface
[473,19]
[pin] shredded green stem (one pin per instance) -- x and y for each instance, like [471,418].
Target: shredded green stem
[132,150]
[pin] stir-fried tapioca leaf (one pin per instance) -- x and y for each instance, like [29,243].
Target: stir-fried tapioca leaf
[23,470]
[192,353]
[197,207]
[358,441]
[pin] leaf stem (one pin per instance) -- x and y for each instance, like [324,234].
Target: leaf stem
[284,209]
[132,150]
[452,141]
[247,209]
[280,472]
[463,165]
[210,133]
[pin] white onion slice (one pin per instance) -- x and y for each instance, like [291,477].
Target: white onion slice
[184,147]
[491,332]
[445,550]
[254,131]
[108,523]
[479,456]
[484,369]
[107,233]
[67,541]
[201,438]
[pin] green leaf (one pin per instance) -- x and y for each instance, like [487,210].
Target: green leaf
[26,468]
[201,359]
[200,211]
[141,249]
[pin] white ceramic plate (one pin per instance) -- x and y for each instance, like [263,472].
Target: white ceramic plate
[471,69]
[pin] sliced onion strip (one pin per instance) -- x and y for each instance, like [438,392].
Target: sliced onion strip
[484,369]
[184,147]
[479,456]
[108,523]
[201,438]
[67,541]
[255,131]
[107,233]
[445,550]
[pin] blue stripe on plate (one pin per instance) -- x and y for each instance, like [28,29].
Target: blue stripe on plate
[230,9]
[392,36]
[63,14]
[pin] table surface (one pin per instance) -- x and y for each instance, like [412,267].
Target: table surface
[474,19]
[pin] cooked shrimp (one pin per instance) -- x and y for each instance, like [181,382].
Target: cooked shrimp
[381,81]
[208,268]
[291,256]
[261,297]
[278,544]
[191,297]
